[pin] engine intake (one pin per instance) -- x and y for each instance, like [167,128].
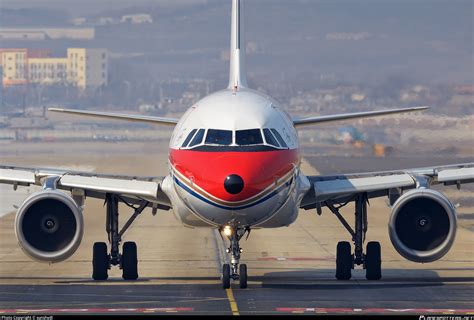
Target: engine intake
[423,224]
[49,226]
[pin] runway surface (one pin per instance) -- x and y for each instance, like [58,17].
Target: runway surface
[291,270]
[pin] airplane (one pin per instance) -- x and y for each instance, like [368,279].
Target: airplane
[234,165]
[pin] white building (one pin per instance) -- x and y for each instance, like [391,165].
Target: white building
[82,67]
[137,18]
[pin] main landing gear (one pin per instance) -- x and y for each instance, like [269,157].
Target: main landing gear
[102,260]
[233,270]
[371,261]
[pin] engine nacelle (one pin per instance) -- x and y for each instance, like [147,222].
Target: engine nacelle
[423,224]
[49,226]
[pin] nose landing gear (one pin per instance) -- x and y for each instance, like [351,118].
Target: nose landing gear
[233,270]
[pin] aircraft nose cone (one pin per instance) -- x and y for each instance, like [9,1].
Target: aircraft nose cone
[233,184]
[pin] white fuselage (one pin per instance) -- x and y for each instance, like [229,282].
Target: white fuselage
[234,159]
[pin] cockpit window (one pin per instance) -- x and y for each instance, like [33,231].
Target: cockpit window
[219,137]
[197,138]
[240,140]
[279,138]
[188,138]
[248,137]
[270,139]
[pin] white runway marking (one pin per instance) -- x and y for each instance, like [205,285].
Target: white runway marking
[94,310]
[376,311]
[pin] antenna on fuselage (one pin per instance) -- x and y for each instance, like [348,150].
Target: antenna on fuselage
[237,78]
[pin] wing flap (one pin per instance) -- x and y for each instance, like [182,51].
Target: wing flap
[95,185]
[12,176]
[376,184]
[346,185]
[461,174]
[143,189]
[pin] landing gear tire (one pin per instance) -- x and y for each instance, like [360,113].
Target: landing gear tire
[343,261]
[226,276]
[243,276]
[373,261]
[129,261]
[100,261]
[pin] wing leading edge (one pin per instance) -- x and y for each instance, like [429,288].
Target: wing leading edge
[119,116]
[346,116]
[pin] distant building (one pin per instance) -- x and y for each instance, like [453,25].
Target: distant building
[357,97]
[14,64]
[79,21]
[103,21]
[46,33]
[355,36]
[137,18]
[83,68]
[87,67]
[47,70]
[464,89]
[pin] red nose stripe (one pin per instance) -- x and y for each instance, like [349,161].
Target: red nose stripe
[209,170]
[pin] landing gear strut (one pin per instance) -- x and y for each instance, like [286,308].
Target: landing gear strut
[345,261]
[102,261]
[233,270]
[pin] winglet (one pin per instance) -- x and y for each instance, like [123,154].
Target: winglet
[237,77]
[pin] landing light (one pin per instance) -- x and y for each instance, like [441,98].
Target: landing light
[227,231]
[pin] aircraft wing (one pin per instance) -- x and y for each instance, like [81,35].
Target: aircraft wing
[357,115]
[94,185]
[343,188]
[118,116]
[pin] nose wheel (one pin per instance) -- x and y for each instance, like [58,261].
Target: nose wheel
[226,276]
[234,271]
[243,276]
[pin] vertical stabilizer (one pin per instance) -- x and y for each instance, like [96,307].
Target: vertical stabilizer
[237,78]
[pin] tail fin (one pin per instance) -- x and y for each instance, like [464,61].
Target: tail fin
[237,77]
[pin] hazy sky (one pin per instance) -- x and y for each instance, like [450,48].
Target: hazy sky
[86,6]
[424,40]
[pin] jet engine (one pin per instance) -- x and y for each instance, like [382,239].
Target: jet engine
[49,226]
[422,226]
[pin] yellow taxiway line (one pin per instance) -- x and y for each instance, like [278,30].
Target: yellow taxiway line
[233,304]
